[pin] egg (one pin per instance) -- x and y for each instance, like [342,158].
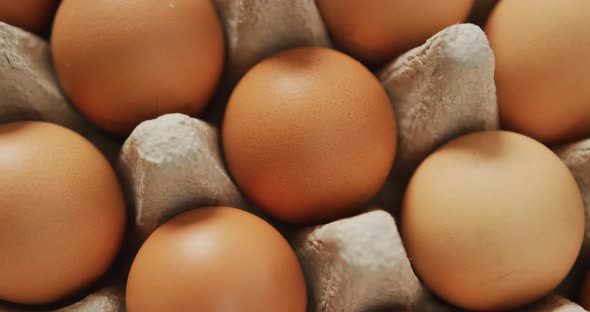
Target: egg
[216,259]
[123,62]
[31,15]
[62,212]
[542,67]
[379,30]
[309,135]
[492,221]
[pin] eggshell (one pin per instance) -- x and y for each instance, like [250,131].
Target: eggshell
[123,62]
[379,30]
[492,221]
[216,259]
[31,15]
[542,67]
[309,135]
[62,212]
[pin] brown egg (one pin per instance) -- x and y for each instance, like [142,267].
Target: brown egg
[62,212]
[32,15]
[542,67]
[379,30]
[492,221]
[309,135]
[123,62]
[216,259]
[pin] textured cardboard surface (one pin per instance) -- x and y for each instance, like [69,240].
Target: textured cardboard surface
[356,264]
[441,90]
[256,29]
[172,164]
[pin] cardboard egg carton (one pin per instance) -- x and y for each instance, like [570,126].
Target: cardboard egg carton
[440,90]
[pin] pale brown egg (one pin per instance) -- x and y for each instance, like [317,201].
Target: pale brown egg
[542,67]
[309,135]
[377,31]
[123,62]
[216,259]
[32,15]
[62,212]
[492,221]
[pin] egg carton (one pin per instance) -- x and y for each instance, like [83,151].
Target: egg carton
[439,91]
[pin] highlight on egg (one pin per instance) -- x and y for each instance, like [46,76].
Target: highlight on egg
[216,259]
[309,135]
[120,71]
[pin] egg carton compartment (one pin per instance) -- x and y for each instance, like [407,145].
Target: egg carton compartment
[439,91]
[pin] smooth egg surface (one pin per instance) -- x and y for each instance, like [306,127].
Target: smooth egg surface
[309,135]
[492,221]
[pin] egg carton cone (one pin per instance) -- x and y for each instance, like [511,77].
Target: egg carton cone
[439,91]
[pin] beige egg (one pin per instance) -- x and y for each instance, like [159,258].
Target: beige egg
[492,221]
[542,67]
